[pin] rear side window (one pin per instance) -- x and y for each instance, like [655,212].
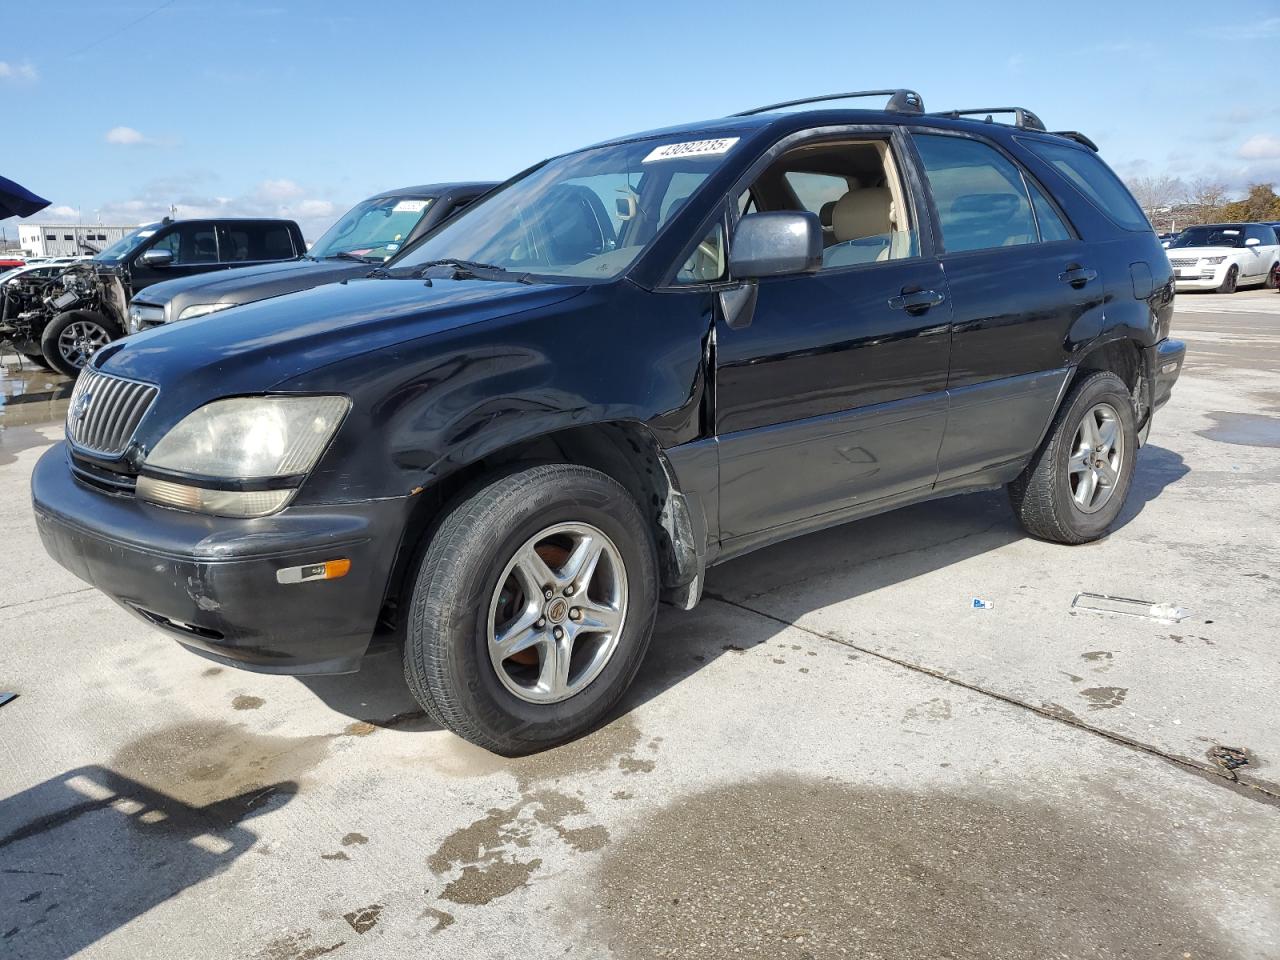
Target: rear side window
[1094,179]
[980,195]
[1051,224]
[277,243]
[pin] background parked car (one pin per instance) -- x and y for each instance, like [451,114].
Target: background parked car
[368,234]
[66,318]
[1224,256]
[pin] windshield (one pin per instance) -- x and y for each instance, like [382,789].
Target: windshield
[126,244]
[1209,237]
[373,230]
[587,215]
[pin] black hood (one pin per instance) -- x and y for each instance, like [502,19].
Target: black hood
[252,348]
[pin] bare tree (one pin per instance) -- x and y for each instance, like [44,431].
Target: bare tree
[1205,197]
[1157,196]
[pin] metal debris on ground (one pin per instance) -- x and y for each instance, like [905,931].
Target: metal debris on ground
[1100,603]
[1229,758]
[6,697]
[981,604]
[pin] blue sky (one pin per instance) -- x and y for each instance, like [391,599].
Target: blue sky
[302,109]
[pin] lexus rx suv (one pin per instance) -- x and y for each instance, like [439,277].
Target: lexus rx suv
[626,364]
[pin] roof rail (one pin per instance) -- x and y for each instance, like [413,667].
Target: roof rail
[900,101]
[1078,137]
[1022,117]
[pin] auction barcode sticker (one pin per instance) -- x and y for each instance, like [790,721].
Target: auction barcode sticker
[693,148]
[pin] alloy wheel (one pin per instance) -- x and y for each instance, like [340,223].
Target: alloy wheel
[1096,459]
[557,612]
[80,339]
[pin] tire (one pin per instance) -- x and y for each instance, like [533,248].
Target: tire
[462,590]
[1273,278]
[1047,495]
[1229,282]
[68,354]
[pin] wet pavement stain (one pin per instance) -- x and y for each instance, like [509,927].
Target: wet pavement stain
[1244,429]
[199,763]
[808,868]
[485,849]
[245,702]
[334,856]
[296,946]
[364,919]
[1097,655]
[1105,698]
[442,918]
[354,839]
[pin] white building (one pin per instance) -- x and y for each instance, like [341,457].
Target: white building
[67,239]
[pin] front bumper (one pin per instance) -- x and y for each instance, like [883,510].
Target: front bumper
[210,582]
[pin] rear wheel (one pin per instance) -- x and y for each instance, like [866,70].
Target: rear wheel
[1273,278]
[73,337]
[1076,484]
[532,608]
[1229,282]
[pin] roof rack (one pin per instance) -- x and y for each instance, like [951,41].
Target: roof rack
[900,101]
[1022,117]
[1078,137]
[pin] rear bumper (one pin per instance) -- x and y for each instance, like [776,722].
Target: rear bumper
[1164,364]
[210,582]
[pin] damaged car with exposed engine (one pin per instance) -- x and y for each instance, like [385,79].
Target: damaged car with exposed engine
[63,319]
[495,454]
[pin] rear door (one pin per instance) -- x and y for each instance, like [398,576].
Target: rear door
[248,242]
[1019,280]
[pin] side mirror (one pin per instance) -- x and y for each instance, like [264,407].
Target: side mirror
[776,244]
[1252,242]
[157,257]
[1166,244]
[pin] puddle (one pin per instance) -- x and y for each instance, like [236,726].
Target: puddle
[1245,429]
[790,867]
[32,397]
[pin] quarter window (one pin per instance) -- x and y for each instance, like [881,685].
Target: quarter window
[979,193]
[1094,179]
[706,263]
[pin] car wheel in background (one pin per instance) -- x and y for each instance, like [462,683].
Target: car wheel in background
[73,337]
[1076,484]
[532,609]
[38,359]
[1273,278]
[1228,284]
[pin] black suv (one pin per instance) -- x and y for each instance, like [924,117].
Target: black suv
[624,365]
[371,232]
[64,320]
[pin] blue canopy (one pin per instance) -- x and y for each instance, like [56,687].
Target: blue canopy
[17,201]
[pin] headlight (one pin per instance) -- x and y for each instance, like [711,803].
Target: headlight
[143,315]
[269,443]
[1212,261]
[201,309]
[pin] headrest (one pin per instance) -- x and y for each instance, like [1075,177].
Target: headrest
[862,213]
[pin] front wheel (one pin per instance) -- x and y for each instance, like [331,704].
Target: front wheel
[73,337]
[1273,278]
[1229,282]
[532,609]
[1076,484]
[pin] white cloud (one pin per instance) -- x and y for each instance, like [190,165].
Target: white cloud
[125,136]
[23,72]
[276,191]
[1264,146]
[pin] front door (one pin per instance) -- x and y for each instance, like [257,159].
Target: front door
[834,395]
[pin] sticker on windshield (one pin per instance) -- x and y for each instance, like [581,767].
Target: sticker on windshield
[409,206]
[1232,233]
[694,148]
[143,234]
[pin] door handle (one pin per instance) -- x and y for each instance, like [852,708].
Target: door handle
[1077,275]
[916,300]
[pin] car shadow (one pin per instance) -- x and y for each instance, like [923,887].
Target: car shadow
[83,854]
[837,564]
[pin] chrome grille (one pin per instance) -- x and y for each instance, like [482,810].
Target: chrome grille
[105,411]
[1182,261]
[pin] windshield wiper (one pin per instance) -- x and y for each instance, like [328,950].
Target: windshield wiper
[348,255]
[464,269]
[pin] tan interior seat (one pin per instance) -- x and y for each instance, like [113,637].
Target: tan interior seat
[859,214]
